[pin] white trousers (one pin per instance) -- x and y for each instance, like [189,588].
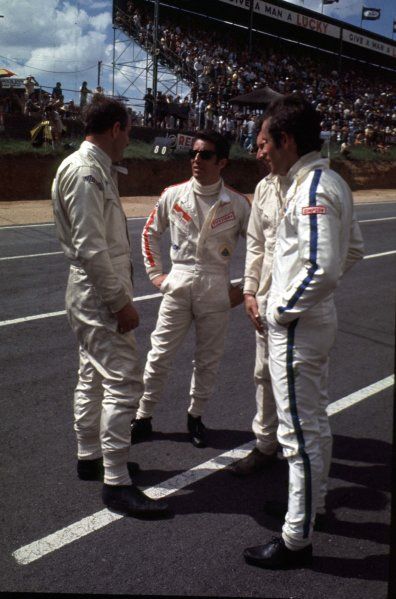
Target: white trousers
[109,379]
[298,361]
[191,296]
[265,422]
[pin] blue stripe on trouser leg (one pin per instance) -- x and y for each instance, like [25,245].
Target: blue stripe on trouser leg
[298,429]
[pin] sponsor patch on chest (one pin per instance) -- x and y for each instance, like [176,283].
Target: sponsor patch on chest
[223,219]
[308,210]
[182,213]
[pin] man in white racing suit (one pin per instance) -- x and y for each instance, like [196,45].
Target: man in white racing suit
[92,229]
[318,240]
[267,208]
[205,218]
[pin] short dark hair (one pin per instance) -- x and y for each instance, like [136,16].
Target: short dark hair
[297,117]
[221,144]
[102,114]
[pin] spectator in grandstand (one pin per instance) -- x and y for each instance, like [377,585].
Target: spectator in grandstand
[148,107]
[84,91]
[57,93]
[206,219]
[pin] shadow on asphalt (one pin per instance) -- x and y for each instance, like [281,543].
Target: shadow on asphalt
[364,492]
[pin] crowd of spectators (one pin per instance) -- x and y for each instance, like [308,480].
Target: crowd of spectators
[357,103]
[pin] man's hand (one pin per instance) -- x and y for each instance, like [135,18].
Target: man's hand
[236,295]
[127,318]
[251,308]
[158,280]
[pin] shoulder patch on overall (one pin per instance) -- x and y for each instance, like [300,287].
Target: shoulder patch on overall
[91,179]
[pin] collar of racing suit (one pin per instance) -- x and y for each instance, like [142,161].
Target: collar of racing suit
[100,156]
[206,190]
[305,164]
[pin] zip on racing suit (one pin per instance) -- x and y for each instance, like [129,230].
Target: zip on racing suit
[196,288]
[267,207]
[318,240]
[91,227]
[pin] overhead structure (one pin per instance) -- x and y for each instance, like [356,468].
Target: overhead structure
[140,65]
[258,98]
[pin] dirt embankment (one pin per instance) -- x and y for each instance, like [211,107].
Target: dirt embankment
[28,177]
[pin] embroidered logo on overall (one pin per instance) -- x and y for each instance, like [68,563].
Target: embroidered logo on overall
[314,210]
[183,213]
[222,219]
[91,179]
[225,252]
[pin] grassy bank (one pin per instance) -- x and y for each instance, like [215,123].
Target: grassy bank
[144,151]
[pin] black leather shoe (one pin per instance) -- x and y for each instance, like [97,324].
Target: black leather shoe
[141,430]
[278,510]
[131,501]
[276,556]
[255,461]
[94,470]
[197,431]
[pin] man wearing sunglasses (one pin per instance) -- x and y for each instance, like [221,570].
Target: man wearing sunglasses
[205,218]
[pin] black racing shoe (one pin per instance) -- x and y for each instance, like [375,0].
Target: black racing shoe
[141,430]
[276,556]
[278,510]
[94,470]
[131,501]
[255,461]
[197,431]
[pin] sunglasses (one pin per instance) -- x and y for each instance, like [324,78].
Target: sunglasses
[204,154]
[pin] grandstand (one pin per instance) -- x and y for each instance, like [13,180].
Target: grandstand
[225,48]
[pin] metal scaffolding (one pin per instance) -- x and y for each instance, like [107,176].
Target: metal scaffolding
[140,66]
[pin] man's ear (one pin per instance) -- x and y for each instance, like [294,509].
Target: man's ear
[222,163]
[116,129]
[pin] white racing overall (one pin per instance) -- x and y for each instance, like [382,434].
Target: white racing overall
[318,239]
[196,288]
[92,229]
[264,219]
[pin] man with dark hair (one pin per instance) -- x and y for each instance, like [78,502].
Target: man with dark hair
[205,218]
[318,239]
[92,229]
[267,207]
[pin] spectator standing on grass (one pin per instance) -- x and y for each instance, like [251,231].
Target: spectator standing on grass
[92,230]
[29,83]
[84,91]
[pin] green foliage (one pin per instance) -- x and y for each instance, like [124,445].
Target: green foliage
[144,151]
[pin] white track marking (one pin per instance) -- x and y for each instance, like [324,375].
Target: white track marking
[141,298]
[53,224]
[34,551]
[377,220]
[379,255]
[30,256]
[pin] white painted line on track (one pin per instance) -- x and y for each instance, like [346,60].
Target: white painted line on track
[30,256]
[2,227]
[26,226]
[377,220]
[34,551]
[141,298]
[379,255]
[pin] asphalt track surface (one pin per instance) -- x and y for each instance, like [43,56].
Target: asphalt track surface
[197,552]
